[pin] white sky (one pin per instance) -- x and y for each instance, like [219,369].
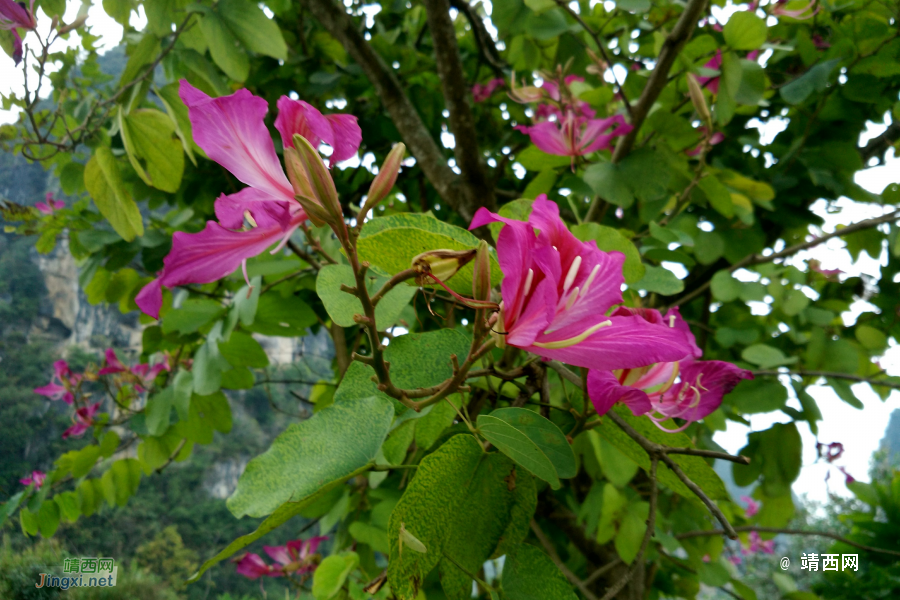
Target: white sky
[859,430]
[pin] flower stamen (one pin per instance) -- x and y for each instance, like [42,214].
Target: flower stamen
[574,340]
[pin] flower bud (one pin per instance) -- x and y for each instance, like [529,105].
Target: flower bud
[386,178]
[316,213]
[318,177]
[524,94]
[481,277]
[697,99]
[440,264]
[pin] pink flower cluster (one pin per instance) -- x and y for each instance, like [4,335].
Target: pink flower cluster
[294,557]
[36,477]
[62,385]
[482,92]
[14,16]
[142,375]
[559,302]
[49,206]
[564,125]
[232,132]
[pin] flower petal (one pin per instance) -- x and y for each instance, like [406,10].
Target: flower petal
[297,116]
[605,390]
[347,137]
[265,210]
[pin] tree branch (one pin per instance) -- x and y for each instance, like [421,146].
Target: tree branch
[402,112]
[551,551]
[482,37]
[476,189]
[756,259]
[675,41]
[826,534]
[857,378]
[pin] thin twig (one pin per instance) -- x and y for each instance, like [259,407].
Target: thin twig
[741,460]
[834,375]
[551,551]
[826,534]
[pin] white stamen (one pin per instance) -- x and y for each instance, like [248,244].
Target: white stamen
[555,248]
[672,321]
[528,279]
[590,280]
[573,272]
[250,219]
[572,298]
[572,341]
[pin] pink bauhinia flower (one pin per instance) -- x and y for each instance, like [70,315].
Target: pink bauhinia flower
[688,389]
[481,92]
[557,291]
[36,477]
[14,16]
[758,545]
[146,374]
[231,131]
[49,206]
[61,384]
[294,557]
[712,83]
[574,135]
[84,420]
[113,364]
[752,506]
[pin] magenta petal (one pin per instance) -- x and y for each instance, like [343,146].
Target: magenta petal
[253,566]
[605,390]
[674,319]
[347,137]
[279,554]
[149,299]
[264,209]
[297,116]
[54,391]
[550,138]
[76,430]
[113,364]
[700,392]
[231,131]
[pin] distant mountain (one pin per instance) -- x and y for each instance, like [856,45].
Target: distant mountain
[890,443]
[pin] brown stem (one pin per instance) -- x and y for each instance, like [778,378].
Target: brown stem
[482,37]
[741,460]
[304,255]
[551,551]
[858,378]
[341,355]
[826,534]
[392,283]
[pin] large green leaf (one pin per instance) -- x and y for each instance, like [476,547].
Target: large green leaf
[519,447]
[745,31]
[328,446]
[153,148]
[253,28]
[105,185]
[462,503]
[695,467]
[286,316]
[423,359]
[224,47]
[241,350]
[391,243]
[546,436]
[341,306]
[281,515]
[331,574]
[529,574]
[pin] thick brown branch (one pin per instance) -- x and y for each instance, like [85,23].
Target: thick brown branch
[402,112]
[476,189]
[675,41]
[757,259]
[482,37]
[826,534]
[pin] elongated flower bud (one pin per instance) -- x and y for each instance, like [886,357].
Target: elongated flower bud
[524,94]
[697,99]
[319,178]
[481,277]
[440,264]
[297,173]
[316,213]
[386,178]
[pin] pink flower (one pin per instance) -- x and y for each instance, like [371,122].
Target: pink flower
[798,14]
[758,545]
[147,374]
[752,506]
[49,206]
[293,557]
[113,364]
[574,135]
[36,477]
[556,294]
[734,559]
[61,384]
[481,92]
[716,138]
[84,419]
[817,267]
[231,131]
[688,389]
[712,83]
[14,15]
[848,478]
[552,89]
[830,452]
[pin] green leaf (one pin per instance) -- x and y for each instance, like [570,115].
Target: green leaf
[767,357]
[29,521]
[745,31]
[729,84]
[142,54]
[542,182]
[814,80]
[178,112]
[518,447]
[157,411]
[105,185]
[462,503]
[724,287]
[341,306]
[708,247]
[423,359]
[763,394]
[282,316]
[253,28]
[331,574]
[546,436]
[535,159]
[69,506]
[842,388]
[390,243]
[193,314]
[631,531]
[243,351]
[281,515]
[329,445]
[224,47]
[753,83]
[718,195]
[659,280]
[85,460]
[48,518]
[529,574]
[694,467]
[71,178]
[153,148]
[374,537]
[871,338]
[610,183]
[238,378]
[610,239]
[207,369]
[207,413]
